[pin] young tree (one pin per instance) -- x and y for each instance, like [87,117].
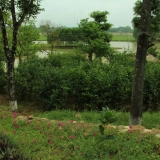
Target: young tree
[95,38]
[19,11]
[51,32]
[145,10]
[26,35]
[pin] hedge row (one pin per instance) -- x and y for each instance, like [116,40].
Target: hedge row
[69,81]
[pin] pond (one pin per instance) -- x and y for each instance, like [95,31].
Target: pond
[121,46]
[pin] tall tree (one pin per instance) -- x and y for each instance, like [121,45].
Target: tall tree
[142,46]
[95,38]
[19,11]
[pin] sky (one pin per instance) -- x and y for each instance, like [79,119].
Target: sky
[69,12]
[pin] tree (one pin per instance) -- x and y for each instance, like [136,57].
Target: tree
[154,20]
[95,38]
[126,29]
[70,35]
[146,10]
[26,35]
[51,32]
[20,10]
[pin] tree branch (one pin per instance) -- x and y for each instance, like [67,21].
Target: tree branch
[13,13]
[25,12]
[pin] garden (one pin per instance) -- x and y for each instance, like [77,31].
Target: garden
[58,119]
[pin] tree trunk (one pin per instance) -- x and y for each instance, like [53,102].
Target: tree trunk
[138,84]
[11,82]
[10,55]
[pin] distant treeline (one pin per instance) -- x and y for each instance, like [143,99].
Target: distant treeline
[73,35]
[126,29]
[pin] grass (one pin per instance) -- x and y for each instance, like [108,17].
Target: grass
[122,37]
[64,140]
[42,38]
[150,120]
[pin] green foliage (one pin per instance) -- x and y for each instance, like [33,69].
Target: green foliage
[70,35]
[154,52]
[95,38]
[54,36]
[155,19]
[69,81]
[64,79]
[107,117]
[26,35]
[152,86]
[8,149]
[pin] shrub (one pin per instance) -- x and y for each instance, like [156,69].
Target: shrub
[152,86]
[69,81]
[154,52]
[27,75]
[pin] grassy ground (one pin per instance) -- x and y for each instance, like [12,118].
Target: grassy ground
[150,120]
[123,37]
[62,139]
[42,38]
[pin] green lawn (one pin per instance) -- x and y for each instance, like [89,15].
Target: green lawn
[65,140]
[122,37]
[42,38]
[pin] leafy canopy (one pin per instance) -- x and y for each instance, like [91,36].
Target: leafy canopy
[94,35]
[24,8]
[155,19]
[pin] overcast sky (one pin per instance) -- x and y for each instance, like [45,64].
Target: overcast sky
[69,12]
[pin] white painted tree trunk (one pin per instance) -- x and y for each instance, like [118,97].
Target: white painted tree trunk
[135,121]
[13,105]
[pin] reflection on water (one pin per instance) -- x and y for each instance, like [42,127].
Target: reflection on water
[42,54]
[124,46]
[121,46]
[128,45]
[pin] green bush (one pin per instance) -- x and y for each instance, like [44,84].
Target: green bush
[69,81]
[154,52]
[27,75]
[152,86]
